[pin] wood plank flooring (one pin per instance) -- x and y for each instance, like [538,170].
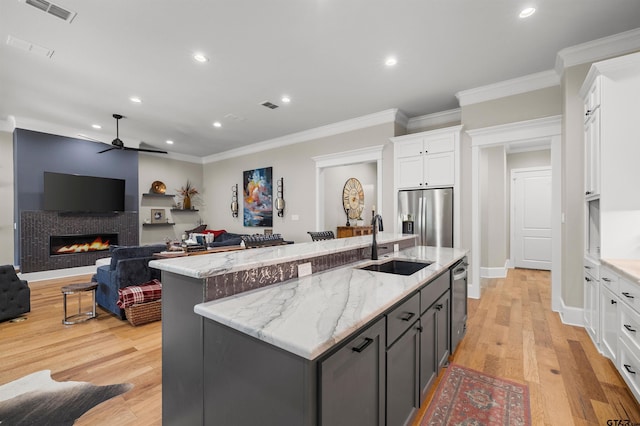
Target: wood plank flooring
[512,334]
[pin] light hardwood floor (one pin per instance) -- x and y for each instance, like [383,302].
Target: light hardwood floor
[512,334]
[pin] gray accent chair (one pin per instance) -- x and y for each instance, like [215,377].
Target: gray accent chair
[15,295]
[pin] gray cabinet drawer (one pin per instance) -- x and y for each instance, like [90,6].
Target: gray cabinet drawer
[433,290]
[399,319]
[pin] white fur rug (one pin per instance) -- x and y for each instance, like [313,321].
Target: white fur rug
[37,399]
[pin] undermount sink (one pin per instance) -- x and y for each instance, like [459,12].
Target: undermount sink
[398,267]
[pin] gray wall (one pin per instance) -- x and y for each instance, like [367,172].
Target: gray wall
[334,180]
[7,197]
[295,164]
[174,174]
[35,152]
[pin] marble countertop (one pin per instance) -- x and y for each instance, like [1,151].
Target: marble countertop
[309,315]
[629,268]
[208,265]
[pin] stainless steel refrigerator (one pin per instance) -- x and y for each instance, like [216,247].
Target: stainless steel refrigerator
[429,214]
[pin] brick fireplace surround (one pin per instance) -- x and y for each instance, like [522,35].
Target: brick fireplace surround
[37,226]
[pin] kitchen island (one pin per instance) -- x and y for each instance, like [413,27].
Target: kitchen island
[189,281]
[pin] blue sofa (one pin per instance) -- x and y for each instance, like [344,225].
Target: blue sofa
[129,266]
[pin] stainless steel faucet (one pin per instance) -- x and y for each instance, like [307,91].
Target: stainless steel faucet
[374,245]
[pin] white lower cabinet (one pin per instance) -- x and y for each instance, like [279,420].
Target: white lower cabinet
[629,367]
[592,301]
[609,311]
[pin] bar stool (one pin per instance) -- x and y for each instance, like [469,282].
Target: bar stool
[79,289]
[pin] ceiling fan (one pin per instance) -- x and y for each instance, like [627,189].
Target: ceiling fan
[118,144]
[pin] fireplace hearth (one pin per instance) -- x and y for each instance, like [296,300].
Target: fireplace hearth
[84,243]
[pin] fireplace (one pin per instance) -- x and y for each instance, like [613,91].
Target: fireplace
[82,243]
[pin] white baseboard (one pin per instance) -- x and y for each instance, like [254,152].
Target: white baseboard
[571,315]
[494,272]
[57,273]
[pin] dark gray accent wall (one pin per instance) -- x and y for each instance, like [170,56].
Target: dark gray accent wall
[36,152]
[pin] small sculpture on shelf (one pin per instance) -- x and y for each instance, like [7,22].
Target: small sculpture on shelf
[187,192]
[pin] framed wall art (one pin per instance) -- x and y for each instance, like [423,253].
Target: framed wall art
[258,197]
[158,216]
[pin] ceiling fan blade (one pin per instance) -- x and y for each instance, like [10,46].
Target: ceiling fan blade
[146,150]
[105,150]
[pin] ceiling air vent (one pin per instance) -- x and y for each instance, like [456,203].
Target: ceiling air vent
[29,47]
[52,9]
[269,105]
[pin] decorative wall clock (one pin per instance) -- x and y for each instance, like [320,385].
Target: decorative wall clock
[353,198]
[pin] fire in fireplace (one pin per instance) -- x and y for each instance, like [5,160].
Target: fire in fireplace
[72,244]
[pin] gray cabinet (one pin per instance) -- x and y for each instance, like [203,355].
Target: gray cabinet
[403,366]
[352,381]
[403,361]
[435,332]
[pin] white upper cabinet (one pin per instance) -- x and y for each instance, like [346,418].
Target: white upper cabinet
[611,97]
[592,140]
[426,159]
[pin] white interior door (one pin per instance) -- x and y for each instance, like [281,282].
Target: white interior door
[531,218]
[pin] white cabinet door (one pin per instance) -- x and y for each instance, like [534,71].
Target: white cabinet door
[592,155]
[609,309]
[410,172]
[591,308]
[441,143]
[412,148]
[439,169]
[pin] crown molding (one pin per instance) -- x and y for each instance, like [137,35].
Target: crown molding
[529,130]
[595,50]
[434,120]
[387,116]
[516,86]
[8,125]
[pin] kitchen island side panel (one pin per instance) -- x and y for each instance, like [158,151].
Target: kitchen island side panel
[182,352]
[248,381]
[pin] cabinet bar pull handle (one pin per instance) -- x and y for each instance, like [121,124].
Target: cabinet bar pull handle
[628,368]
[587,193]
[631,329]
[407,316]
[613,302]
[606,279]
[587,279]
[419,328]
[626,294]
[587,267]
[439,306]
[363,346]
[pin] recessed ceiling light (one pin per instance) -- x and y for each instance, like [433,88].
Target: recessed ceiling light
[96,126]
[170,142]
[200,57]
[135,99]
[285,99]
[217,124]
[390,62]
[527,12]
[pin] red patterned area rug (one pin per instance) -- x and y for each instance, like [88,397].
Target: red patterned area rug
[469,397]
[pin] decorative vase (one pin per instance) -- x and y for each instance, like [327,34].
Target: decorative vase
[186,202]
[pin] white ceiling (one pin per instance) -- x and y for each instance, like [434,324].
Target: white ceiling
[328,55]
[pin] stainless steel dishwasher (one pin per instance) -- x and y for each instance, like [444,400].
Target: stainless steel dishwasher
[458,302]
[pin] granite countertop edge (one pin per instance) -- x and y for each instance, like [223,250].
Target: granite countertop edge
[308,316]
[212,264]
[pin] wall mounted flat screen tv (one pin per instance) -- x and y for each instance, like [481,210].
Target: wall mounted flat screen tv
[86,194]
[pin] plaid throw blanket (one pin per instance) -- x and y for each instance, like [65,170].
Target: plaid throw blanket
[134,294]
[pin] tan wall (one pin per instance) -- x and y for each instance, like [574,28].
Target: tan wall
[174,175]
[7,197]
[493,232]
[573,186]
[522,160]
[295,164]
[527,106]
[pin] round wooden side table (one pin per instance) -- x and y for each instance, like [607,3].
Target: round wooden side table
[79,289]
